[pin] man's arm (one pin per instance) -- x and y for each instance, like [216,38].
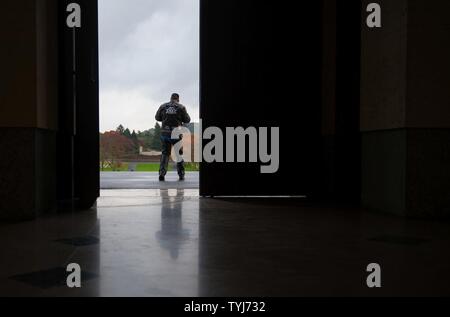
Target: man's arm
[185,116]
[159,114]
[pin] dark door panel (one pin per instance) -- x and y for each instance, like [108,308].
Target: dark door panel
[261,67]
[79,177]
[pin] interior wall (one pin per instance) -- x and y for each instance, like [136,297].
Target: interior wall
[384,69]
[18,87]
[29,62]
[428,96]
[47,64]
[404,110]
[28,94]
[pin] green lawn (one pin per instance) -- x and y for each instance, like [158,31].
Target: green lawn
[148,167]
[154,167]
[192,167]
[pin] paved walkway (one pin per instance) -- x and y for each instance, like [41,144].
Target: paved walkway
[147,180]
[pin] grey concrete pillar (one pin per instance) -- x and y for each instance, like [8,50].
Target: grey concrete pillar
[28,108]
[405,109]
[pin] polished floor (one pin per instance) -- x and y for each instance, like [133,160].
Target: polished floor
[174,243]
[147,180]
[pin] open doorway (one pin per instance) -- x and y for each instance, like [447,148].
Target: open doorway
[245,70]
[148,49]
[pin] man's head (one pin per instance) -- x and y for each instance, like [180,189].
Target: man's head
[175,98]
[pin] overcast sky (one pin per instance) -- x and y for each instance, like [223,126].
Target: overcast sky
[148,50]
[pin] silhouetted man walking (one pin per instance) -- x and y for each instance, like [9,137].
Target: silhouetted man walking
[172,115]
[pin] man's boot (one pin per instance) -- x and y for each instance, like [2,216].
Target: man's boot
[181,171]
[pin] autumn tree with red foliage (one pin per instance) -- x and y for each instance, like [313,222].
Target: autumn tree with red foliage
[113,147]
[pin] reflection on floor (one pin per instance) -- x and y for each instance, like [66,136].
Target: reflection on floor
[173,243]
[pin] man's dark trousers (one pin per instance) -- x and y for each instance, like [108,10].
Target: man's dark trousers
[167,144]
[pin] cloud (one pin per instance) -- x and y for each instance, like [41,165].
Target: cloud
[147,51]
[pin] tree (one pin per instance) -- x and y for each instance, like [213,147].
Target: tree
[134,135]
[136,143]
[156,139]
[127,133]
[145,138]
[120,129]
[113,146]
